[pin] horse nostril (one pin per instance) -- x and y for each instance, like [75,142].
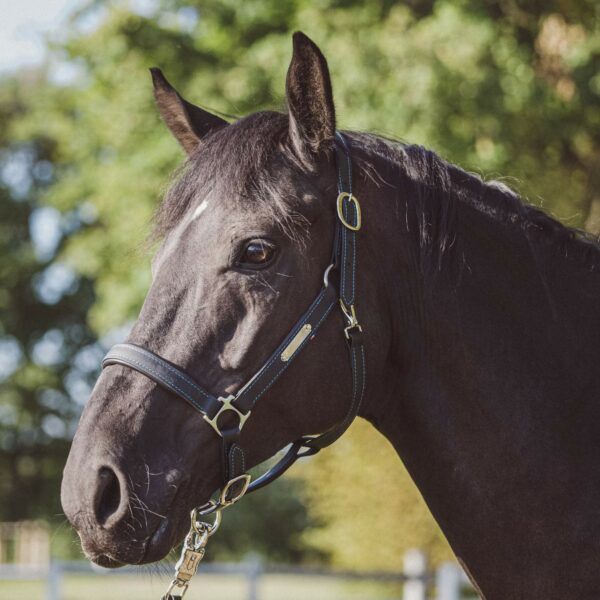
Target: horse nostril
[108,497]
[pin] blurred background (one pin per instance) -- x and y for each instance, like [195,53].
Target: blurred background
[509,89]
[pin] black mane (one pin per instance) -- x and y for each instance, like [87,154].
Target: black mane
[436,187]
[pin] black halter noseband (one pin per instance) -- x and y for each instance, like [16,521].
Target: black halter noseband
[241,404]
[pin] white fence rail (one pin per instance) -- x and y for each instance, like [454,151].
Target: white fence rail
[446,583]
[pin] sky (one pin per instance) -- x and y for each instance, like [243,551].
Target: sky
[23,26]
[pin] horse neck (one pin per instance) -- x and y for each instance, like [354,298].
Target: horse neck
[491,393]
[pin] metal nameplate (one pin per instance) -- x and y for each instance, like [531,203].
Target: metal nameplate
[296,342]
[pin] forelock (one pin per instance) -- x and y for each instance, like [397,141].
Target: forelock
[237,162]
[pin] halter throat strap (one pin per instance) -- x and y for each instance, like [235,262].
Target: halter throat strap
[212,408]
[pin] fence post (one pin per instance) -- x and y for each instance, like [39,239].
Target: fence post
[53,583]
[415,571]
[254,571]
[448,581]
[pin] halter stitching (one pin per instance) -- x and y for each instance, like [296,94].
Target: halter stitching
[162,377]
[285,365]
[178,374]
[289,336]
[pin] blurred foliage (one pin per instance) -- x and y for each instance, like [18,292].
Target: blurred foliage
[367,514]
[271,523]
[497,88]
[43,331]
[500,87]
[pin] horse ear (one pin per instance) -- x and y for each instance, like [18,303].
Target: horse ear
[188,123]
[309,98]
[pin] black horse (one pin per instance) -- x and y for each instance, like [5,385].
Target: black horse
[482,337]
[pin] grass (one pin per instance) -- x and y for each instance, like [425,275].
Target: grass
[214,587]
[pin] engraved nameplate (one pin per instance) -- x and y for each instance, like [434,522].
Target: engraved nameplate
[296,342]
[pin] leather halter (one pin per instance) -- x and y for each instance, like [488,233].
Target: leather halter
[242,403]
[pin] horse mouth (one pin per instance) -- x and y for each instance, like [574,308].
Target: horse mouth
[156,547]
[160,543]
[168,532]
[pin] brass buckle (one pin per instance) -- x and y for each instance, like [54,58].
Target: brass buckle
[226,405]
[340,210]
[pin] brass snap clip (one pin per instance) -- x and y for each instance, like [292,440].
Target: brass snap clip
[350,314]
[195,542]
[192,554]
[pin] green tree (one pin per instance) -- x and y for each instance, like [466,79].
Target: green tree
[43,331]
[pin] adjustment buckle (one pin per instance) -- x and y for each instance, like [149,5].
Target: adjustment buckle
[226,405]
[350,314]
[340,210]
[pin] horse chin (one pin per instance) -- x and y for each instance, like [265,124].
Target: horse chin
[167,535]
[109,559]
[103,560]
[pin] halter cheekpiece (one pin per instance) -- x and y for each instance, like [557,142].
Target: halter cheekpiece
[236,482]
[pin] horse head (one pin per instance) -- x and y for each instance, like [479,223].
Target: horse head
[246,232]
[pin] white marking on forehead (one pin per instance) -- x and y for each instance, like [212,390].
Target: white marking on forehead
[201,208]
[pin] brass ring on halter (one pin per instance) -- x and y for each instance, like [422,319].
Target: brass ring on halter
[326,275]
[340,210]
[206,509]
[225,499]
[202,527]
[229,495]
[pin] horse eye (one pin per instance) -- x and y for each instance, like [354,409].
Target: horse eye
[257,253]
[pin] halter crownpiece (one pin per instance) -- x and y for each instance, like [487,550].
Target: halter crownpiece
[236,482]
